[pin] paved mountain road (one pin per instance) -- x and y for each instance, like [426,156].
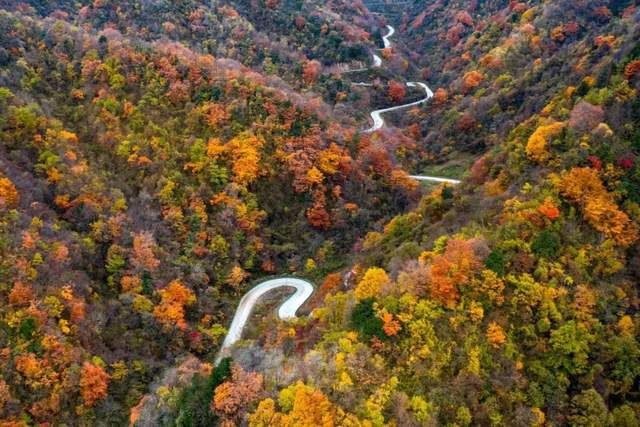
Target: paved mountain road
[378,121]
[287,310]
[385,39]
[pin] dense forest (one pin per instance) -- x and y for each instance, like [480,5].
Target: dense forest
[159,159]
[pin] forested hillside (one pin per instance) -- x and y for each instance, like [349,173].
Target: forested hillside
[144,183]
[158,159]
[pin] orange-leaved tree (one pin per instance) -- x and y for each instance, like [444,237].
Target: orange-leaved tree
[390,326]
[143,256]
[583,186]
[396,91]
[453,268]
[471,80]
[317,214]
[94,382]
[174,298]
[440,96]
[21,294]
[301,406]
[495,335]
[549,209]
[310,71]
[8,193]
[632,69]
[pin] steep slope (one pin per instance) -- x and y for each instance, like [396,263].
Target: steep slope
[511,299]
[275,37]
[142,182]
[496,63]
[157,157]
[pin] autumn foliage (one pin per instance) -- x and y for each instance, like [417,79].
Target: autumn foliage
[549,209]
[537,145]
[583,186]
[495,335]
[440,96]
[142,142]
[94,382]
[452,269]
[464,18]
[174,299]
[374,280]
[232,396]
[471,80]
[236,277]
[310,71]
[390,325]
[632,69]
[21,294]
[301,406]
[246,157]
[143,256]
[396,91]
[8,193]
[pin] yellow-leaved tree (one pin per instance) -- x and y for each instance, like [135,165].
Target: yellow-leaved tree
[244,150]
[537,143]
[301,406]
[372,283]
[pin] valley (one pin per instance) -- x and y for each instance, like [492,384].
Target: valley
[301,213]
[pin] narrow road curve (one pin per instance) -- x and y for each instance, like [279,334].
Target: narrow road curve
[378,121]
[385,39]
[287,310]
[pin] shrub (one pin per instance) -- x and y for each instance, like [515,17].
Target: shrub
[193,407]
[495,262]
[547,244]
[365,320]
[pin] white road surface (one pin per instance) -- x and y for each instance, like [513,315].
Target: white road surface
[378,121]
[303,288]
[385,39]
[287,310]
[434,179]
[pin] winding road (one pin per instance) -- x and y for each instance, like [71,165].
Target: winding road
[378,121]
[286,311]
[385,39]
[303,288]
